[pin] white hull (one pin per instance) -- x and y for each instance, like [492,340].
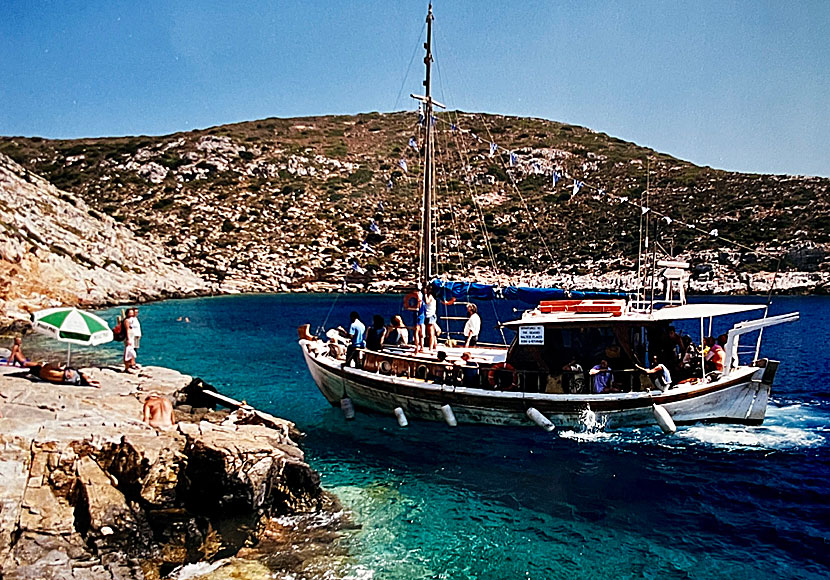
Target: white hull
[741,397]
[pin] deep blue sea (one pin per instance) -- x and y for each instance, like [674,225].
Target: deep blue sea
[501,503]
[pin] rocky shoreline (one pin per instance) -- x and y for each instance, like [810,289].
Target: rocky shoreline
[90,491]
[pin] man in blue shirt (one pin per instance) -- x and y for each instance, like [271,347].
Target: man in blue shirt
[603,379]
[357,332]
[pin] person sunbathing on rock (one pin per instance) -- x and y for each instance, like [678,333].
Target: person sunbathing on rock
[158,412]
[63,375]
[17,358]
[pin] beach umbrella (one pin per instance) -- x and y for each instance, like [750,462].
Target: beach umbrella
[72,326]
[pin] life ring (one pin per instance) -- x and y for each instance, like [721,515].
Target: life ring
[499,368]
[411,301]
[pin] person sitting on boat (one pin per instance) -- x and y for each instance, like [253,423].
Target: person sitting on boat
[662,378]
[575,377]
[473,326]
[398,333]
[441,372]
[468,371]
[376,333]
[713,361]
[603,378]
[357,332]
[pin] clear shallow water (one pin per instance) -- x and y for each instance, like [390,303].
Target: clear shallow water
[472,502]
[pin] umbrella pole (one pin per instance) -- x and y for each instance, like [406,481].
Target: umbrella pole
[68,353]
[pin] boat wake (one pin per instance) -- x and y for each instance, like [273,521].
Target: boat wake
[771,438]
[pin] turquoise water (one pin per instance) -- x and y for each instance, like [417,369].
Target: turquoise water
[473,502]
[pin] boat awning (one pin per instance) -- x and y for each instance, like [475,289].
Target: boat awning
[447,289]
[687,311]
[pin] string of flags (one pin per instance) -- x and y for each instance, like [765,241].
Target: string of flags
[578,185]
[557,176]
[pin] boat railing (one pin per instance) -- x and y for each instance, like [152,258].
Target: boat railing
[498,376]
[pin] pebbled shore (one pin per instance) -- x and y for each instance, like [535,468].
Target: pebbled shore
[89,491]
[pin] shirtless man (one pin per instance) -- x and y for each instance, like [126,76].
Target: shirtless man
[158,412]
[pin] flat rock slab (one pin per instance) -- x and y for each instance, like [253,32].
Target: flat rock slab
[89,490]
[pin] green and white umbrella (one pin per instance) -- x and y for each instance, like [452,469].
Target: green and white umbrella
[72,326]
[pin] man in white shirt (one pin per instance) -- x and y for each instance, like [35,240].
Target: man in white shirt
[473,326]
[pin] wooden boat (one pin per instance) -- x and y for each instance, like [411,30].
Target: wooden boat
[531,381]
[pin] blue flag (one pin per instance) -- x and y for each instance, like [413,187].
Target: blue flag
[513,159]
[493,149]
[556,177]
[577,186]
[453,127]
[420,118]
[402,165]
[389,184]
[413,143]
[373,227]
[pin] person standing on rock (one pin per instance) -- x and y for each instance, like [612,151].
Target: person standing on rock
[132,339]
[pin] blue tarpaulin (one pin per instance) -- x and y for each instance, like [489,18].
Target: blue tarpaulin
[474,291]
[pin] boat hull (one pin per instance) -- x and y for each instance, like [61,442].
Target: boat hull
[740,398]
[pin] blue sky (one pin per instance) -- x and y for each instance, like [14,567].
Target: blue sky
[743,86]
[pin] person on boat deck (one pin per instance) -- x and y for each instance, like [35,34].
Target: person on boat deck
[431,319]
[663,376]
[713,361]
[441,371]
[376,333]
[469,371]
[603,379]
[357,332]
[575,380]
[420,322]
[17,357]
[472,328]
[398,333]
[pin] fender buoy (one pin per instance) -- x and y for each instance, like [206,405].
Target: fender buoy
[411,301]
[502,367]
[450,302]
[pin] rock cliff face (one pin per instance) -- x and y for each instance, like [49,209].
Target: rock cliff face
[55,250]
[89,491]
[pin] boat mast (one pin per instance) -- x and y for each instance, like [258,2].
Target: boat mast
[426,270]
[428,159]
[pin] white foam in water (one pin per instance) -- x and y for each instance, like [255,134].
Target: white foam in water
[773,437]
[591,428]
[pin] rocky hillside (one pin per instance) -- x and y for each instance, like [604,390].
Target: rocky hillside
[282,204]
[56,250]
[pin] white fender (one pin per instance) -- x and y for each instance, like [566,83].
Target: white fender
[540,419]
[347,407]
[449,416]
[663,419]
[401,417]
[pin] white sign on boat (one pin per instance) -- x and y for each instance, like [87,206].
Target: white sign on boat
[532,335]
